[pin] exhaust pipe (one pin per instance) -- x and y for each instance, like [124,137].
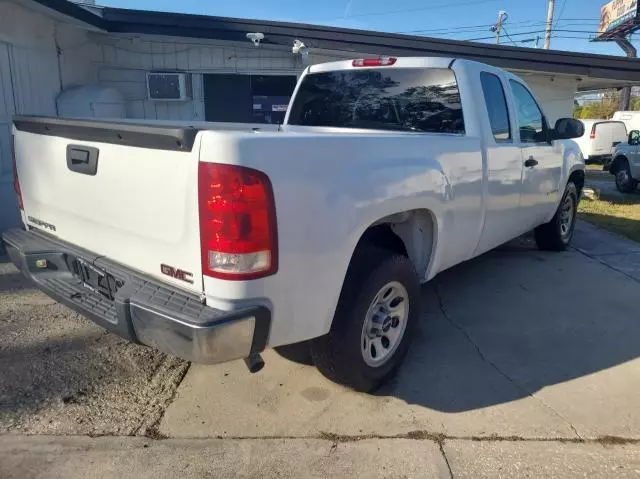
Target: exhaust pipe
[254,362]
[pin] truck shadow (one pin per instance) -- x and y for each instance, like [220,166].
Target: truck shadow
[514,321]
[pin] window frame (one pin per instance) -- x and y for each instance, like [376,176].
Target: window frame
[545,125]
[506,105]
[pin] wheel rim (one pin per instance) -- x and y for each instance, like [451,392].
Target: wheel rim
[385,324]
[623,177]
[566,216]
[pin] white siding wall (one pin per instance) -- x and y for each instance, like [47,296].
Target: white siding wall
[30,79]
[28,84]
[554,93]
[122,64]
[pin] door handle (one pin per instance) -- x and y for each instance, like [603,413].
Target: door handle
[531,162]
[82,159]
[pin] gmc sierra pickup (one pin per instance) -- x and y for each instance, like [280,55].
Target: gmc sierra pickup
[213,244]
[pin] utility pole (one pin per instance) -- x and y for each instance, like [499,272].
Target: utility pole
[502,17]
[630,50]
[547,33]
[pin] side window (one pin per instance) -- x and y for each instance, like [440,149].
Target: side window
[531,122]
[496,106]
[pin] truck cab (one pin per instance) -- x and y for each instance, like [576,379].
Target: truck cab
[625,164]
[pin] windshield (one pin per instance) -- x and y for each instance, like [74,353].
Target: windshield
[406,99]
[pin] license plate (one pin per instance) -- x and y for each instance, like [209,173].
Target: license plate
[94,278]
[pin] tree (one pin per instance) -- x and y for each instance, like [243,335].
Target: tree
[604,108]
[577,110]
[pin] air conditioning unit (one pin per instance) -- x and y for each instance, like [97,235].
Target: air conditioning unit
[168,86]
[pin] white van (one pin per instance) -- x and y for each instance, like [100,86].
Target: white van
[600,139]
[630,118]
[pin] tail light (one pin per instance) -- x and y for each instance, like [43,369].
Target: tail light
[374,62]
[238,236]
[592,136]
[16,182]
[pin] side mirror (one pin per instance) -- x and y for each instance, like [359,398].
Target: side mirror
[634,137]
[567,128]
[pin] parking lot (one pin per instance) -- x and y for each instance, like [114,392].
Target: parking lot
[525,363]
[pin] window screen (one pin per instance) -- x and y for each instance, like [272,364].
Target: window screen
[496,106]
[405,99]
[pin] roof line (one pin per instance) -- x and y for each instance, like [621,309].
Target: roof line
[117,20]
[74,10]
[123,17]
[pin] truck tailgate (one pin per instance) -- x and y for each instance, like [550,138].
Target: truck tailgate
[127,192]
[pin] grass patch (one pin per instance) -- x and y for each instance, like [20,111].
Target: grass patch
[594,171]
[599,176]
[621,216]
[593,167]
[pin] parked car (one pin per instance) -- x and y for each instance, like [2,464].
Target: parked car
[213,244]
[630,118]
[600,139]
[625,165]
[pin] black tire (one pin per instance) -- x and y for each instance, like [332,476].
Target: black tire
[624,182]
[552,236]
[338,355]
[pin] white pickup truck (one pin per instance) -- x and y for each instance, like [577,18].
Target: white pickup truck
[213,244]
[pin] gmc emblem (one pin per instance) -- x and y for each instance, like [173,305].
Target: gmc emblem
[176,273]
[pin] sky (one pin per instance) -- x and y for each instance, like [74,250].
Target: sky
[575,21]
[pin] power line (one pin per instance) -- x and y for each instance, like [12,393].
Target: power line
[507,34]
[576,21]
[471,27]
[538,31]
[561,11]
[524,24]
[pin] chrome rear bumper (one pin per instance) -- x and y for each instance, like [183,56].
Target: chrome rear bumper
[136,307]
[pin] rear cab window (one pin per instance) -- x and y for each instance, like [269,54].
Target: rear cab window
[395,99]
[497,109]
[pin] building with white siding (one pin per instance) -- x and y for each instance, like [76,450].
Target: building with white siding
[50,48]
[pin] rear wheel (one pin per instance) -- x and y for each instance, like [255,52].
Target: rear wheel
[373,323]
[557,233]
[624,182]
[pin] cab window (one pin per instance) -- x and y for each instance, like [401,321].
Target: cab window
[531,122]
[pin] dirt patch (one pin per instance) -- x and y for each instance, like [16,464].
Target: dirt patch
[61,374]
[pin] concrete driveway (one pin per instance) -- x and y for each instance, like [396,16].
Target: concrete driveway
[525,363]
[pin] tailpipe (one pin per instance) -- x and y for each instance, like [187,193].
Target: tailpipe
[255,363]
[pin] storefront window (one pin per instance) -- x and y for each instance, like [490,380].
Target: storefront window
[247,98]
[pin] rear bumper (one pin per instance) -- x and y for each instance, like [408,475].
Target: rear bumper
[141,310]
